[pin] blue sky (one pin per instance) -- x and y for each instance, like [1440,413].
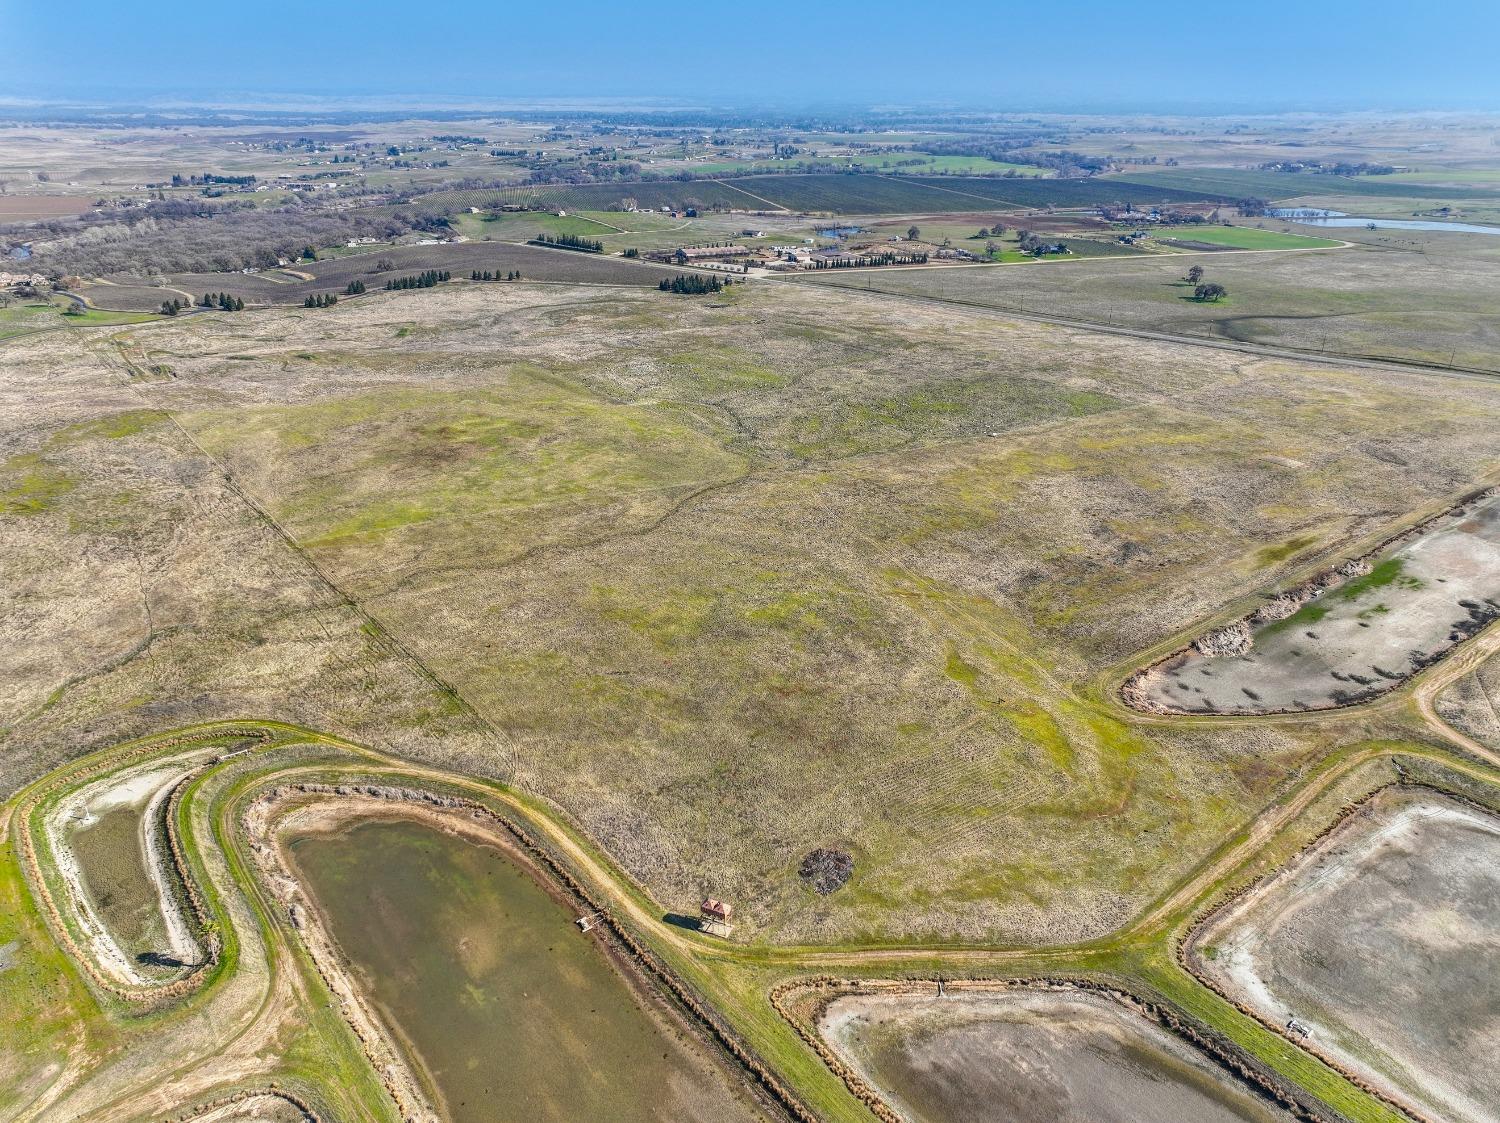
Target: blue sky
[1035,55]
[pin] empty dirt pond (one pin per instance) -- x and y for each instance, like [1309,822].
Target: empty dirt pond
[505,1008]
[1383,940]
[1368,631]
[111,850]
[1033,1056]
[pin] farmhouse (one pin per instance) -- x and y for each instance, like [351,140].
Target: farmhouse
[709,253]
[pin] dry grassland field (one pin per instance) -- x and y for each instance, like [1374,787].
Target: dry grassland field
[940,676]
[1472,704]
[725,581]
[293,285]
[1409,295]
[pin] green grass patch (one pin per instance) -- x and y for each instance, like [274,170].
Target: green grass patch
[723,369]
[1244,237]
[1309,614]
[1388,572]
[524,225]
[487,465]
[31,484]
[1270,555]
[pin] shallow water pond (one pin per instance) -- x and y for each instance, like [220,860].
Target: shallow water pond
[508,1011]
[1311,216]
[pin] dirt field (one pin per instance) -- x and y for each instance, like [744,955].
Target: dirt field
[1384,940]
[1033,1057]
[29,208]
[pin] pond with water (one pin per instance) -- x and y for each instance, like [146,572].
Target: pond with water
[507,1010]
[1313,216]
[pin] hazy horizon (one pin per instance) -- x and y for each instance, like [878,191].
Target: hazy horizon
[1173,59]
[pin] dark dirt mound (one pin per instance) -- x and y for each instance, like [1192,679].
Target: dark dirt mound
[825,870]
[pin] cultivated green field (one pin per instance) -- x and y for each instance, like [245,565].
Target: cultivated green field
[1243,238]
[520,227]
[22,317]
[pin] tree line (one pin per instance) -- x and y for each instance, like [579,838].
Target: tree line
[887,258]
[694,284]
[570,242]
[427,279]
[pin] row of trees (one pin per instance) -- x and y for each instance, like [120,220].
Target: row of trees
[211,177]
[425,280]
[570,242]
[354,288]
[487,275]
[888,257]
[321,300]
[222,301]
[694,284]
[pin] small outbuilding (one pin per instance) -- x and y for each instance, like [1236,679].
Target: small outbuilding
[713,916]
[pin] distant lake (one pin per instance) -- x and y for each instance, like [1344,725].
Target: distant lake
[840,231]
[1309,216]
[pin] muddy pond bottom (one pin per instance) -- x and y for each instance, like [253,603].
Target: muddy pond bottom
[507,1011]
[1420,598]
[1383,940]
[1032,1056]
